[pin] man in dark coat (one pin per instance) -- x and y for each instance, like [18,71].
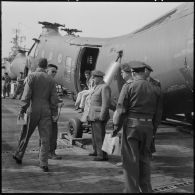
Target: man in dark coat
[141,105]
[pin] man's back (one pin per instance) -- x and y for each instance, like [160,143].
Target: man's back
[143,98]
[41,85]
[40,90]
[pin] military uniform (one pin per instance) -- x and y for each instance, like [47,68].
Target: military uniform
[53,137]
[20,87]
[40,97]
[158,115]
[6,85]
[141,102]
[99,114]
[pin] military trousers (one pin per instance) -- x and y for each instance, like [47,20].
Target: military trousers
[44,124]
[98,134]
[19,90]
[135,151]
[6,89]
[53,138]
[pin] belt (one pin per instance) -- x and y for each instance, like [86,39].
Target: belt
[142,119]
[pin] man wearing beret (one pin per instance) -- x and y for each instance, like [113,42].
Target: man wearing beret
[99,114]
[158,115]
[137,135]
[40,98]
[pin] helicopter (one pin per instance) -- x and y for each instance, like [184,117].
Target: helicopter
[166,44]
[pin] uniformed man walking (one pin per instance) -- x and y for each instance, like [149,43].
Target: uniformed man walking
[40,97]
[142,100]
[20,86]
[52,70]
[158,115]
[99,114]
[6,85]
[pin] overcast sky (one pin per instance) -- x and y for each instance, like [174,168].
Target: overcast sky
[95,19]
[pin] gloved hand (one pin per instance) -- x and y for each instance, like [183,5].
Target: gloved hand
[115,132]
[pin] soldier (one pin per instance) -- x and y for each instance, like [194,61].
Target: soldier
[158,115]
[121,104]
[98,114]
[20,86]
[40,97]
[6,85]
[142,100]
[52,70]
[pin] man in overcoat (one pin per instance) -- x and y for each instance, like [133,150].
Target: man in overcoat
[99,114]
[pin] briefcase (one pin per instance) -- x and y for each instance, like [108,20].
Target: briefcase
[22,120]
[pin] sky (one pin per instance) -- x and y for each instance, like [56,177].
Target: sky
[95,19]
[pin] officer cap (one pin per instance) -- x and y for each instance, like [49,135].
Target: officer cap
[42,63]
[136,64]
[125,67]
[98,73]
[52,66]
[149,67]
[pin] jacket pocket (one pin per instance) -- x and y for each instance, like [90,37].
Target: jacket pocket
[94,113]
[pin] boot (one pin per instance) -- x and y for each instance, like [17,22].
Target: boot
[82,110]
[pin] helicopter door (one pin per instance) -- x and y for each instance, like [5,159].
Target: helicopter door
[86,61]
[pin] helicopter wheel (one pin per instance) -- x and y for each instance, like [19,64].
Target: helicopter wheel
[75,128]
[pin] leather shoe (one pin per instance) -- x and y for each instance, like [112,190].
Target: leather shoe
[18,161]
[100,159]
[44,168]
[93,154]
[81,110]
[77,108]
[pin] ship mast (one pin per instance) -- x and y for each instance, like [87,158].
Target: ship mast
[17,44]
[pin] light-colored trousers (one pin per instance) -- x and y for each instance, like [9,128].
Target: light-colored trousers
[80,101]
[44,127]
